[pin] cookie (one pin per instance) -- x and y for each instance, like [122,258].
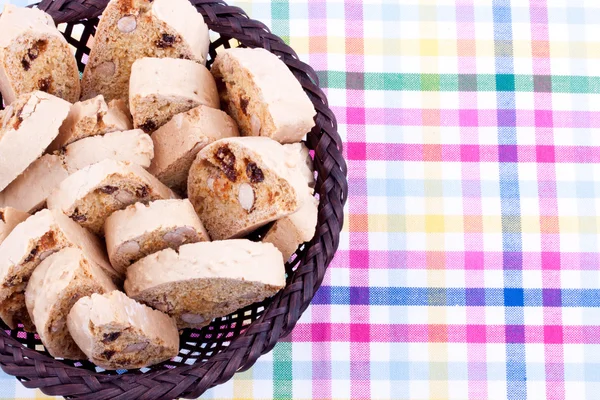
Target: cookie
[133,29]
[262,95]
[206,280]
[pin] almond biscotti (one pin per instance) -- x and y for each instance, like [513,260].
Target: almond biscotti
[177,143]
[31,189]
[27,127]
[54,287]
[133,29]
[206,280]
[290,232]
[9,219]
[116,332]
[162,87]
[132,146]
[91,194]
[32,241]
[239,184]
[305,161]
[34,56]
[140,230]
[92,117]
[262,95]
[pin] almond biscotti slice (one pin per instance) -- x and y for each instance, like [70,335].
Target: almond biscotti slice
[54,287]
[9,219]
[177,143]
[259,91]
[27,127]
[305,161]
[133,29]
[32,241]
[92,117]
[31,189]
[240,184]
[116,332]
[140,230]
[162,87]
[34,55]
[132,146]
[290,232]
[91,194]
[206,280]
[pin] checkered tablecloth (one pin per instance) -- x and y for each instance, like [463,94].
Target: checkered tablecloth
[468,266]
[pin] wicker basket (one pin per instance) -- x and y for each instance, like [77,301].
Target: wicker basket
[212,355]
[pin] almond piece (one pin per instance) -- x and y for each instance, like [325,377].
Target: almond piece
[127,24]
[246,196]
[192,318]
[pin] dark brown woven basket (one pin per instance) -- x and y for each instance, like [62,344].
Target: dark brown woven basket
[212,355]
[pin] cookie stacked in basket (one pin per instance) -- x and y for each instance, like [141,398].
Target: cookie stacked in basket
[112,187]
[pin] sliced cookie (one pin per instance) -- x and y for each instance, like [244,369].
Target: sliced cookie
[93,193]
[55,285]
[27,127]
[31,189]
[259,91]
[240,184]
[9,219]
[133,29]
[116,332]
[34,56]
[140,230]
[92,117]
[31,242]
[177,143]
[162,87]
[206,280]
[305,161]
[288,233]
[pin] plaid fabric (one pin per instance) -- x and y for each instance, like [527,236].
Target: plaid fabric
[469,260]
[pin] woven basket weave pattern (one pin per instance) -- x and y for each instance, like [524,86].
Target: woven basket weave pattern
[212,355]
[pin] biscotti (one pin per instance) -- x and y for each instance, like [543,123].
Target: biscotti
[239,184]
[92,117]
[206,280]
[162,87]
[259,91]
[54,287]
[305,161]
[9,219]
[32,241]
[28,126]
[140,230]
[129,146]
[31,189]
[91,194]
[177,143]
[132,29]
[116,332]
[290,232]
[34,55]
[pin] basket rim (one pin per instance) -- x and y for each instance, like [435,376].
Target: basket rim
[53,377]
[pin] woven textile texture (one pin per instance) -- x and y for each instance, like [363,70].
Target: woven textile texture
[469,261]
